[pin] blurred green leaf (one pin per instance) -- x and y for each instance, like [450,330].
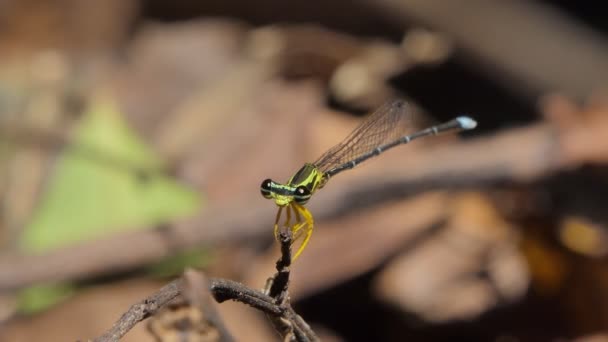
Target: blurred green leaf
[106,181]
[40,297]
[176,264]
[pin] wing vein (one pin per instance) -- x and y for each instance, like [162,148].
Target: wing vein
[386,124]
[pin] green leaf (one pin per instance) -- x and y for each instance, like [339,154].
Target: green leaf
[106,182]
[175,265]
[41,297]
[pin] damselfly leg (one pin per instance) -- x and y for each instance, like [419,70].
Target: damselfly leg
[300,224]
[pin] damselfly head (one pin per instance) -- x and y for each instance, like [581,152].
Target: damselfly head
[283,194]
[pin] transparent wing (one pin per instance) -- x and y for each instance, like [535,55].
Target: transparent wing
[386,124]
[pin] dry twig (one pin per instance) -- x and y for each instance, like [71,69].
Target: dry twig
[196,292]
[142,310]
[275,303]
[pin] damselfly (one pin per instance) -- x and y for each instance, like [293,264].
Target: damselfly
[384,129]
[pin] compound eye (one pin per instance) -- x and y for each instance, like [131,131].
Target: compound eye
[302,195]
[266,187]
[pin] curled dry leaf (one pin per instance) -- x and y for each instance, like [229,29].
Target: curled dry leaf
[583,236]
[303,50]
[169,68]
[582,129]
[440,279]
[424,46]
[362,79]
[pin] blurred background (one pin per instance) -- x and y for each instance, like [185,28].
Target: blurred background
[134,136]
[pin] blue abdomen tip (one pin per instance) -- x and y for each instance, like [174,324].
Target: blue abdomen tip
[466,122]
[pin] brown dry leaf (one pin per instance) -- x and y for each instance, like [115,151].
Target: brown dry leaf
[582,129]
[439,279]
[424,46]
[356,69]
[303,50]
[549,266]
[583,236]
[362,80]
[81,28]
[171,65]
[200,118]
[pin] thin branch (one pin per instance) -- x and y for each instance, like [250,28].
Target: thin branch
[277,285]
[223,290]
[140,311]
[290,324]
[196,292]
[193,287]
[274,302]
[301,328]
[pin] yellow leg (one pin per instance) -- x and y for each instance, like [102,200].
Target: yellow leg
[303,227]
[288,217]
[299,223]
[287,223]
[298,217]
[296,230]
[276,224]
